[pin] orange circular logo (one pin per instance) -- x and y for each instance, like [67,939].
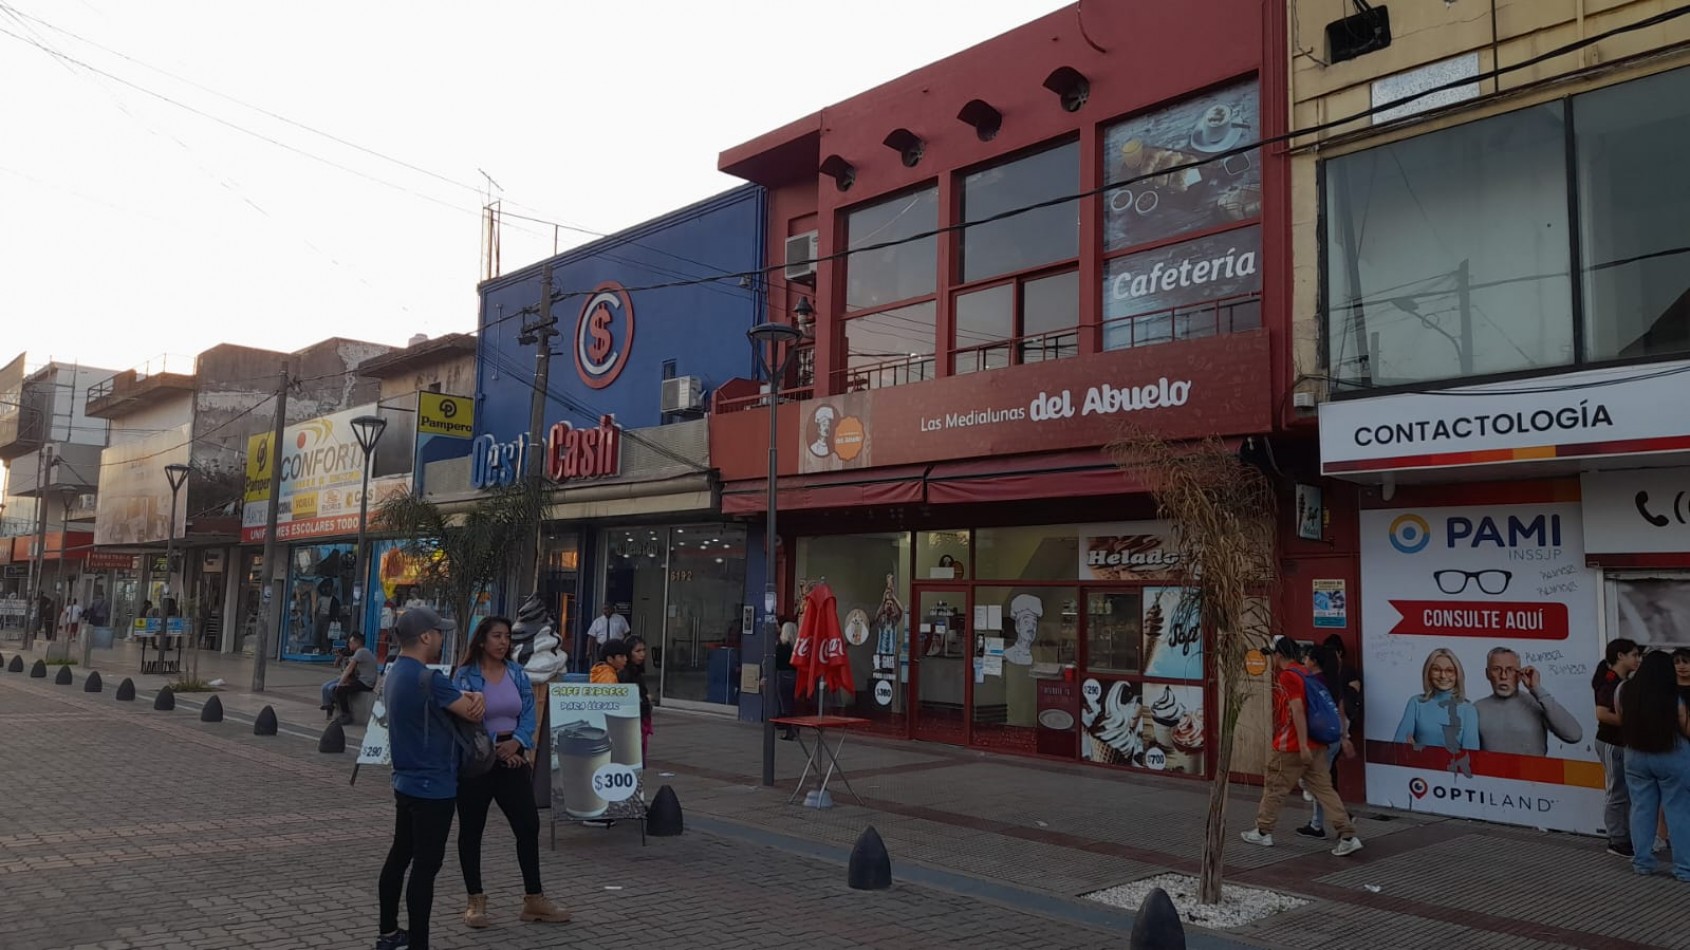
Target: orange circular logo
[1255,663]
[849,438]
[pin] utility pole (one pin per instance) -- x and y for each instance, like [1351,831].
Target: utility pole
[44,462]
[540,333]
[272,549]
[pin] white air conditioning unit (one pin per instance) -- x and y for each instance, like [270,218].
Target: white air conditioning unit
[682,394]
[801,250]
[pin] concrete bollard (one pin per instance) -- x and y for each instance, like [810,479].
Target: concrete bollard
[126,691]
[165,701]
[333,740]
[16,666]
[871,867]
[63,678]
[265,724]
[93,683]
[663,818]
[39,670]
[212,711]
[1157,926]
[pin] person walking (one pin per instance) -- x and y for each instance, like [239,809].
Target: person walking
[72,619]
[1295,756]
[634,673]
[488,669]
[1619,662]
[1655,729]
[1325,663]
[425,774]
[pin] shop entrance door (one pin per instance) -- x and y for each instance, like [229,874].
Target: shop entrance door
[941,665]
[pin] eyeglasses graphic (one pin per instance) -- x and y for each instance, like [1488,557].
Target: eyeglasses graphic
[1453,582]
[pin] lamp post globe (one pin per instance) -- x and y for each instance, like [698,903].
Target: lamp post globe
[368,430]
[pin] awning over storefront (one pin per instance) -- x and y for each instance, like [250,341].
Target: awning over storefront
[893,485]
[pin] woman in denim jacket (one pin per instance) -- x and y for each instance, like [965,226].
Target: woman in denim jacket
[488,669]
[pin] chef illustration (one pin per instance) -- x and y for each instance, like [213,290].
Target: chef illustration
[821,432]
[1024,611]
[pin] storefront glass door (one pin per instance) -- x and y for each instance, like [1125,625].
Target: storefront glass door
[942,678]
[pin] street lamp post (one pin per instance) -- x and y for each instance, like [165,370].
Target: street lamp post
[773,345]
[368,429]
[67,497]
[176,474]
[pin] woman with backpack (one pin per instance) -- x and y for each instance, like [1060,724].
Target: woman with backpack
[1655,723]
[488,669]
[1324,663]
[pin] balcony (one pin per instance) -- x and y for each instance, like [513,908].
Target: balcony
[157,380]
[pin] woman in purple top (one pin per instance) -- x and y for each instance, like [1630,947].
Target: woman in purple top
[509,719]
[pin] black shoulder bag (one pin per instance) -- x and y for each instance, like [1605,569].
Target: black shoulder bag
[475,747]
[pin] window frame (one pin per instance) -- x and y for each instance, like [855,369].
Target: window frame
[844,375]
[1018,341]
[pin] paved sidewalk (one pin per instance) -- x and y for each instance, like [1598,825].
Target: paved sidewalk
[1057,831]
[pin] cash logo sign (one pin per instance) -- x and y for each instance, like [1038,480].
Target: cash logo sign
[604,335]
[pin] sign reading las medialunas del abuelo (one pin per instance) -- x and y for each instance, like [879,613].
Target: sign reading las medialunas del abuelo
[1186,390]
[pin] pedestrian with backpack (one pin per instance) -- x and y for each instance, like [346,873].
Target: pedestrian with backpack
[1323,663]
[1305,723]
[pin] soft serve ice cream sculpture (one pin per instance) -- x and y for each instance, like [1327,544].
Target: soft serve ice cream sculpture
[534,642]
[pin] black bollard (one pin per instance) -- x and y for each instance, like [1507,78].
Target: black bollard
[663,818]
[265,724]
[63,679]
[16,666]
[1157,926]
[333,740]
[871,867]
[212,711]
[93,684]
[39,670]
[165,701]
[126,691]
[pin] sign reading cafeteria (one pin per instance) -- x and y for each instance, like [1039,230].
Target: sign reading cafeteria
[1479,634]
[1197,388]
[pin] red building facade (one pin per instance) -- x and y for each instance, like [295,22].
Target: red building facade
[1017,251]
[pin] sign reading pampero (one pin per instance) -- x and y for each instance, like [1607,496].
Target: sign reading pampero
[1479,640]
[1596,413]
[1641,511]
[322,471]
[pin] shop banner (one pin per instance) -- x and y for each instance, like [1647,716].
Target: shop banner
[445,425]
[1479,639]
[1599,412]
[1189,390]
[597,753]
[1127,551]
[322,476]
[133,503]
[1641,511]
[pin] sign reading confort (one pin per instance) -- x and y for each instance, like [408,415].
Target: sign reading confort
[1596,413]
[322,470]
[571,453]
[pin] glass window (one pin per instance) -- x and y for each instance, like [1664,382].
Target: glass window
[1183,291]
[703,614]
[891,347]
[1447,254]
[875,278]
[942,555]
[1049,306]
[1037,636]
[869,573]
[1634,216]
[1033,553]
[1113,630]
[1151,207]
[319,601]
[985,322]
[1025,240]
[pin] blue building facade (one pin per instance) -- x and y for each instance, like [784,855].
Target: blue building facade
[646,327]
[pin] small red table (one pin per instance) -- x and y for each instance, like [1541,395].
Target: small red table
[821,725]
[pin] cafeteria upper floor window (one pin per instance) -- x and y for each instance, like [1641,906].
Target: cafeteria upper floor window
[887,263]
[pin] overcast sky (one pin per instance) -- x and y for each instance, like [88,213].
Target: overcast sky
[131,227]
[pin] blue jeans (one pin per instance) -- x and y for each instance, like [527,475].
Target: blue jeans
[328,692]
[1660,782]
[1318,821]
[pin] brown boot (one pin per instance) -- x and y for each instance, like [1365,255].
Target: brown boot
[476,915]
[536,907]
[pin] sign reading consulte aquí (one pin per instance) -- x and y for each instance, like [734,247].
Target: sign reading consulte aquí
[1605,412]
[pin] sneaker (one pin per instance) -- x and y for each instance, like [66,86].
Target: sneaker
[1255,836]
[1310,831]
[1347,846]
[397,940]
[1621,851]
[1308,796]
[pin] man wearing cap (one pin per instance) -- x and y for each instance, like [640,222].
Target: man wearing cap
[1025,611]
[425,773]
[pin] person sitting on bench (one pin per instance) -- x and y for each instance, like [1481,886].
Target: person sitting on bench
[359,676]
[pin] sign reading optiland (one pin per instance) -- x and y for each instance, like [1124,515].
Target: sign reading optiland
[322,468]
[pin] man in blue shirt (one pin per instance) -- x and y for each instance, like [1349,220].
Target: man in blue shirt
[425,773]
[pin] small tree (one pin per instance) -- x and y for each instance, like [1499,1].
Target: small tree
[460,553]
[1222,514]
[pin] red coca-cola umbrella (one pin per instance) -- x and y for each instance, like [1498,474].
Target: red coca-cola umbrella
[819,653]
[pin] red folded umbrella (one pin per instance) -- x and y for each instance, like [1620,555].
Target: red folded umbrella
[819,653]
